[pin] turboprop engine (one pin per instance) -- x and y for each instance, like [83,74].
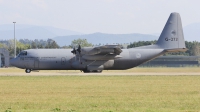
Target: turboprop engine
[92,51]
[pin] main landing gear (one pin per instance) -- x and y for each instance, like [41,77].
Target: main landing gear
[92,71]
[28,70]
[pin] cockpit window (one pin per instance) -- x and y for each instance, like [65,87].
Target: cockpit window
[23,53]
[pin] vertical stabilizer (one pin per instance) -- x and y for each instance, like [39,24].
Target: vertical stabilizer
[172,35]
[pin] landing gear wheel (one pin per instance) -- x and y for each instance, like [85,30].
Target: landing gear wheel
[28,70]
[99,71]
[92,71]
[86,71]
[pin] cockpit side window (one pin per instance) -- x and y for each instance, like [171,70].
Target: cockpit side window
[23,53]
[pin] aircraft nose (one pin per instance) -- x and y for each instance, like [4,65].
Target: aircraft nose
[13,62]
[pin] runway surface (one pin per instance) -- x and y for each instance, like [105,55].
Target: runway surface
[88,74]
[134,72]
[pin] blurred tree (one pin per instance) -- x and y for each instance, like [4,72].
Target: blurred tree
[81,42]
[51,44]
[33,45]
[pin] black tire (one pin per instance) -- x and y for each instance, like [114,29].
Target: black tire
[28,70]
[99,71]
[86,71]
[92,71]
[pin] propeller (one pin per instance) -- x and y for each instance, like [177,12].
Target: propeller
[79,49]
[74,51]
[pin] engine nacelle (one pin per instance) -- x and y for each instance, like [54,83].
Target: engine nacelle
[101,57]
[89,51]
[93,51]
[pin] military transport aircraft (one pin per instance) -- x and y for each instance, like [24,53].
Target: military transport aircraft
[107,57]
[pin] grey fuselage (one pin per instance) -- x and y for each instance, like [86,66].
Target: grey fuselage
[107,57]
[63,59]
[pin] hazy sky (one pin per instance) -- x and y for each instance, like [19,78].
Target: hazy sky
[106,16]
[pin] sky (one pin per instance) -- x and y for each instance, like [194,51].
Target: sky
[106,16]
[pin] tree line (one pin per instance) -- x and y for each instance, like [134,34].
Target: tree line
[193,47]
[22,44]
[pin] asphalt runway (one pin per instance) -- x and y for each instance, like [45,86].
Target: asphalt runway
[134,72]
[94,74]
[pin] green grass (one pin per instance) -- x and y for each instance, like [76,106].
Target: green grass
[100,93]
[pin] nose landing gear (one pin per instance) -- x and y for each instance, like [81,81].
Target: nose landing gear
[28,70]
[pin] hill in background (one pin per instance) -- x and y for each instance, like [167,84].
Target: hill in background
[64,37]
[102,38]
[32,32]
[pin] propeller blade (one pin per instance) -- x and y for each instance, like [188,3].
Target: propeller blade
[79,49]
[73,51]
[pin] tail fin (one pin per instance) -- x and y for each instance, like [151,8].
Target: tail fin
[172,35]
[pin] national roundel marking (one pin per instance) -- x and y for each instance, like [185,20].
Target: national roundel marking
[138,55]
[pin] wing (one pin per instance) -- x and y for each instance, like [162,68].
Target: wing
[106,52]
[106,49]
[110,49]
